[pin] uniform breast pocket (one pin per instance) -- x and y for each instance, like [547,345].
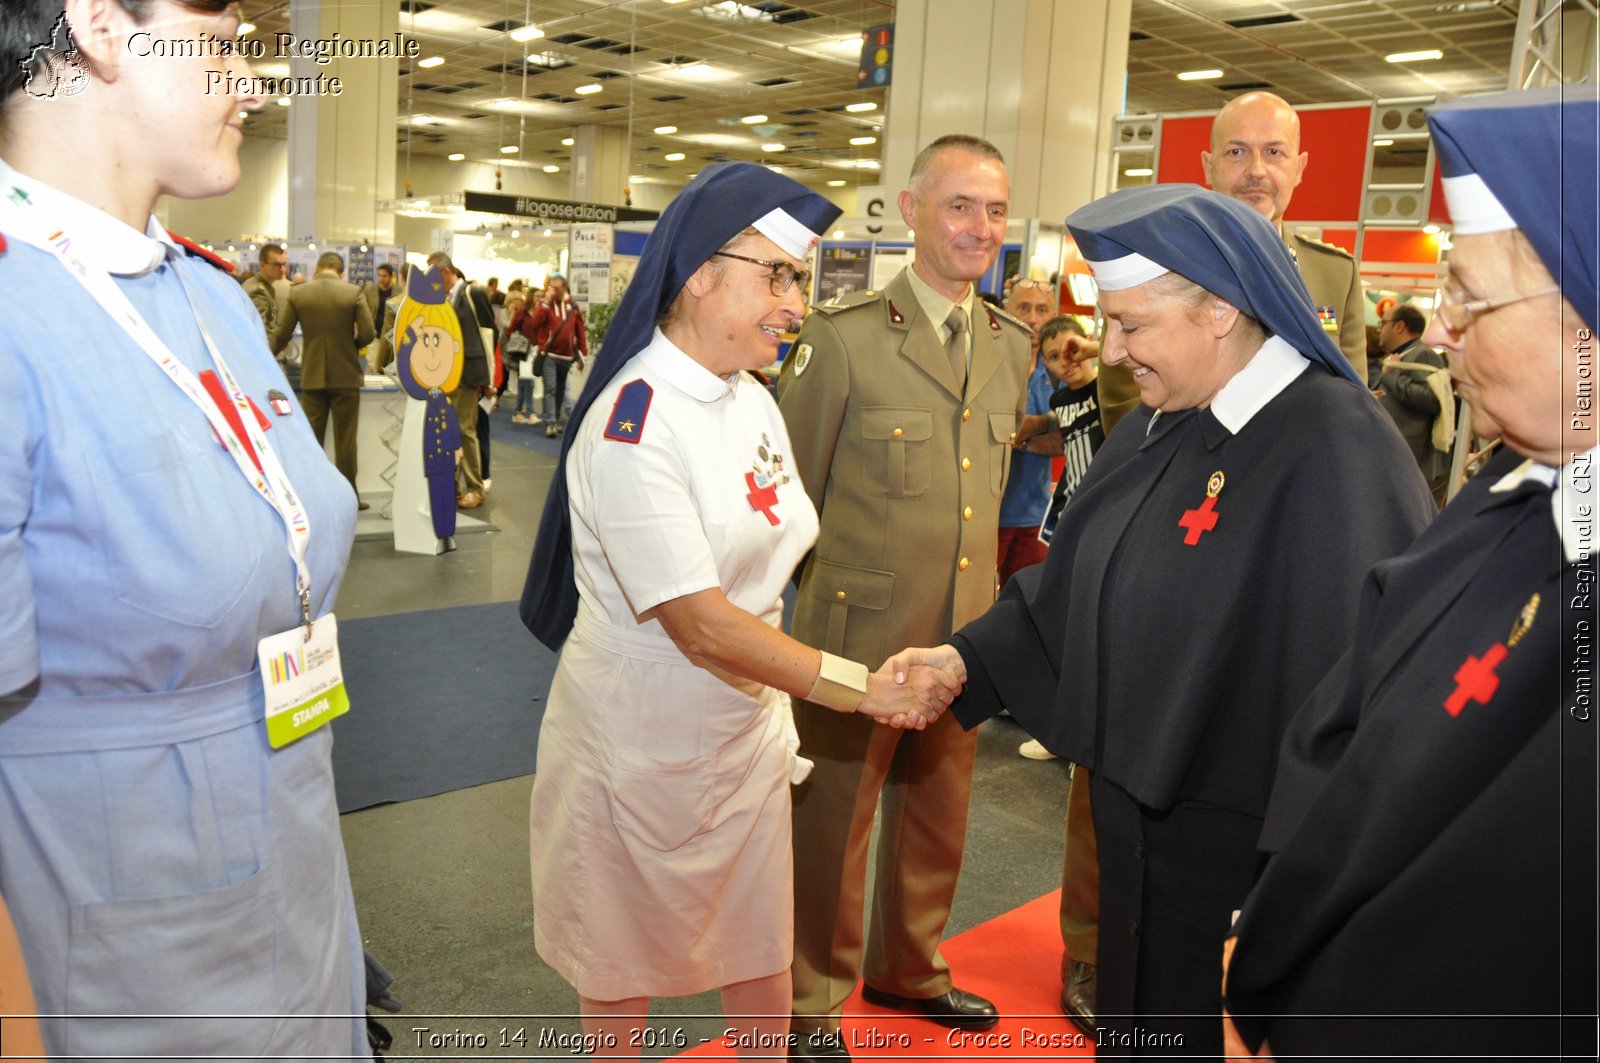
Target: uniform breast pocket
[897,450]
[175,539]
[1001,427]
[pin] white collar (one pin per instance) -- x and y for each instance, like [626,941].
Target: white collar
[1269,371]
[666,359]
[1569,508]
[97,238]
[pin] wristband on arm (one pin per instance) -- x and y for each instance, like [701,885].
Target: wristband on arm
[841,685]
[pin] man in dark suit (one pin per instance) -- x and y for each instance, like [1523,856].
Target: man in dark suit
[335,323]
[901,405]
[1407,395]
[471,305]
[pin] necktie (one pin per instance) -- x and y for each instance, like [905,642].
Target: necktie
[956,345]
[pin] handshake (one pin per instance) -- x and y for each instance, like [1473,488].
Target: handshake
[914,687]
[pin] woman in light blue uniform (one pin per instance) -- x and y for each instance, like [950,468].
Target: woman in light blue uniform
[168,870]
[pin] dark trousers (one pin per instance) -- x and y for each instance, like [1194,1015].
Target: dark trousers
[555,388]
[345,405]
[483,439]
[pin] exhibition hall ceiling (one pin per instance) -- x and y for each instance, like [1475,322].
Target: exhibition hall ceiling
[704,69]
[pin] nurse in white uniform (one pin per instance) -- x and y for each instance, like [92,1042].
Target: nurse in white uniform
[662,863]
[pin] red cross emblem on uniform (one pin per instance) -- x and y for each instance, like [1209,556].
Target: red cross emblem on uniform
[1475,680]
[762,499]
[1197,522]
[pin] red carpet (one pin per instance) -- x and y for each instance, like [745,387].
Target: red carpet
[1015,961]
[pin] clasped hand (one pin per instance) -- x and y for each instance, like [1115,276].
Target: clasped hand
[914,687]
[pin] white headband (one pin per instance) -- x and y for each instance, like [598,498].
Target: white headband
[1473,208]
[1129,271]
[779,226]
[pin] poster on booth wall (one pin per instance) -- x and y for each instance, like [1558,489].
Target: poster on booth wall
[887,262]
[589,245]
[841,270]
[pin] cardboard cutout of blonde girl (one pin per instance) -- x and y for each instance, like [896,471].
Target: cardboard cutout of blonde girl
[429,367]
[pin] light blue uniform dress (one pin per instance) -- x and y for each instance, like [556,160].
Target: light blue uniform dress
[158,857]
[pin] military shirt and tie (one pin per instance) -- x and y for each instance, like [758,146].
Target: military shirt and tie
[905,458]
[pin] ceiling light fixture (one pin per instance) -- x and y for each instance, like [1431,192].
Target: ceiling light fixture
[431,62]
[863,141]
[836,184]
[284,101]
[509,149]
[246,28]
[1413,57]
[666,130]
[587,90]
[1138,171]
[857,108]
[552,168]
[1199,75]
[456,156]
[526,33]
[1382,143]
[753,119]
[567,142]
[675,156]
[774,147]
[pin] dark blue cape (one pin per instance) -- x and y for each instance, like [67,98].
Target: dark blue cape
[714,208]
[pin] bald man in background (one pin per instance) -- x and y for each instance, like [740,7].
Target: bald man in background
[1255,157]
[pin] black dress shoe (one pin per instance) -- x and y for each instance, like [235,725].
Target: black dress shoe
[819,1044]
[957,1009]
[1077,996]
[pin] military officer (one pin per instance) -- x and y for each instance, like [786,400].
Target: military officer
[901,404]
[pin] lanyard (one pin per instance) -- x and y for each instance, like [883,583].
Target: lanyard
[264,471]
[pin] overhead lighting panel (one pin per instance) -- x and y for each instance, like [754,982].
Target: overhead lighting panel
[1414,57]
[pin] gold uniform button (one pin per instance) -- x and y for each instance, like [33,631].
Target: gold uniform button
[964,564]
[966,514]
[839,595]
[1013,438]
[966,415]
[966,464]
[898,432]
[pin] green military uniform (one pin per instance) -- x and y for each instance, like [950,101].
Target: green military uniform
[335,322]
[906,466]
[1332,279]
[265,300]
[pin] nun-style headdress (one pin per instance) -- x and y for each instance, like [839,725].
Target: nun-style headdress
[715,207]
[1224,246]
[1529,161]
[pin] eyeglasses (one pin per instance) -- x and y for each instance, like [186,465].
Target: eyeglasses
[1028,282]
[783,275]
[1457,315]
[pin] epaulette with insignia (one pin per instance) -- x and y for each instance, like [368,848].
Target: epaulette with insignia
[626,424]
[194,250]
[849,300]
[999,313]
[1322,245]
